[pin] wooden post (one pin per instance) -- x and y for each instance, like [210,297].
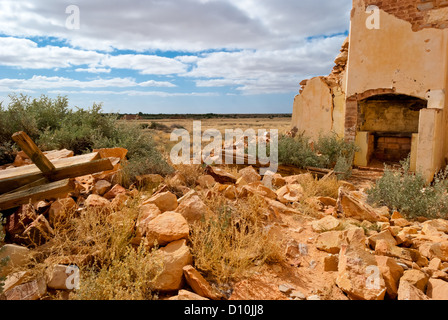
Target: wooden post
[32,151]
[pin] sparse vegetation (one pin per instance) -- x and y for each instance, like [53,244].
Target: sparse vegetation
[53,125]
[329,152]
[407,192]
[228,244]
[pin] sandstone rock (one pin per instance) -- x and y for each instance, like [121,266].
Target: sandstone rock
[299,178]
[84,184]
[59,210]
[437,289]
[256,288]
[220,175]
[18,221]
[417,278]
[385,235]
[32,290]
[165,201]
[407,291]
[101,187]
[290,193]
[206,181]
[175,256]
[435,264]
[391,272]
[439,250]
[120,201]
[439,224]
[357,277]
[18,256]
[249,174]
[193,209]
[327,223]
[147,213]
[350,205]
[97,202]
[13,280]
[257,188]
[332,241]
[116,190]
[329,241]
[187,295]
[199,285]
[271,179]
[411,255]
[330,262]
[58,275]
[402,222]
[38,232]
[327,201]
[165,228]
[230,192]
[151,179]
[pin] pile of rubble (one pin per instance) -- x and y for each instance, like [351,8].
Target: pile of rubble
[349,251]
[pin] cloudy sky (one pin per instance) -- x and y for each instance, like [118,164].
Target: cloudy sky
[169,56]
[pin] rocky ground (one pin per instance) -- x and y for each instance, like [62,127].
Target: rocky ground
[345,250]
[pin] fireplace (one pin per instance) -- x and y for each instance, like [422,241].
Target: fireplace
[389,123]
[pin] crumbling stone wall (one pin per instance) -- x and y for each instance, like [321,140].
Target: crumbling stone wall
[420,13]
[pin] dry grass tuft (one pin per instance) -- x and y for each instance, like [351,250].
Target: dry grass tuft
[99,243]
[233,241]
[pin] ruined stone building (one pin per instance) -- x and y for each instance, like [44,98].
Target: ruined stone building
[388,90]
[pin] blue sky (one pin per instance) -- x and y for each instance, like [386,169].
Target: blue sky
[169,56]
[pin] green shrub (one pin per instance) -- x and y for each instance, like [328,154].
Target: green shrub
[53,125]
[329,152]
[408,193]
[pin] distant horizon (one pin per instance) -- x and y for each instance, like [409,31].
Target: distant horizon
[171,56]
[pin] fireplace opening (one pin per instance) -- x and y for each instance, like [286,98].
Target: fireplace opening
[391,122]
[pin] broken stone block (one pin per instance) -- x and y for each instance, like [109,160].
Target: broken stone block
[175,256]
[206,181]
[359,276]
[165,228]
[391,272]
[290,193]
[165,201]
[407,291]
[38,232]
[384,235]
[59,209]
[417,278]
[101,187]
[199,285]
[330,262]
[352,206]
[97,202]
[59,277]
[193,209]
[437,289]
[17,256]
[327,223]
[32,290]
[115,191]
[249,174]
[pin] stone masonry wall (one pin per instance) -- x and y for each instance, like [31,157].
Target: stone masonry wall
[420,13]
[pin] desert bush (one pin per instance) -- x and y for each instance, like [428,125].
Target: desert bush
[53,125]
[329,152]
[227,245]
[407,192]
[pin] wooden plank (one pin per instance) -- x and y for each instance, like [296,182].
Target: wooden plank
[58,163]
[72,171]
[53,190]
[33,152]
